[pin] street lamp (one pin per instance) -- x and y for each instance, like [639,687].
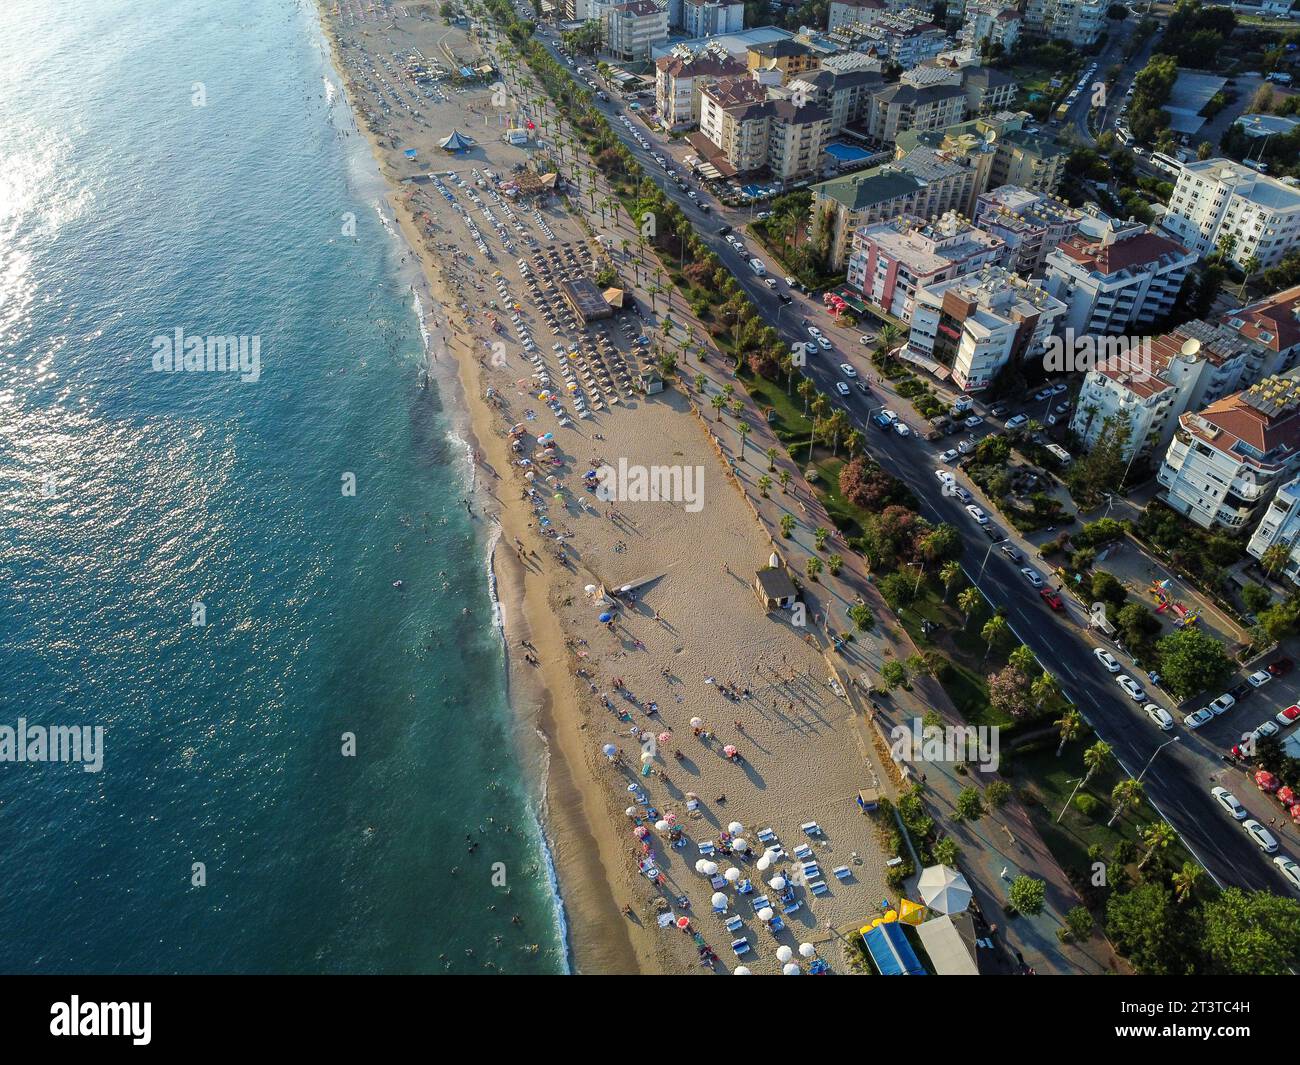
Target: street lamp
[984,563]
[1078,783]
[1153,756]
[921,573]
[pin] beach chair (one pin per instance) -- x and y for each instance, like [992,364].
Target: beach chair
[760,902]
[734,924]
[777,852]
[740,946]
[719,883]
[745,887]
[842,872]
[803,851]
[720,909]
[766,835]
[810,870]
[706,848]
[811,828]
[776,924]
[818,887]
[791,907]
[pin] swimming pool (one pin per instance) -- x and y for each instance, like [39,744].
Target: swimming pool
[847,153]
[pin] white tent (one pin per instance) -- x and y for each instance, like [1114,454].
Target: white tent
[944,889]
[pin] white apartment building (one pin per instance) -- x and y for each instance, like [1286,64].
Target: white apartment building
[991,22]
[1281,525]
[704,18]
[1214,197]
[891,260]
[680,76]
[1078,21]
[751,132]
[633,29]
[1273,324]
[899,108]
[1224,464]
[1191,367]
[1115,276]
[1030,224]
[844,13]
[846,96]
[971,326]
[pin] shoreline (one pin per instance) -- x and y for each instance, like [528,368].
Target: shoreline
[599,939]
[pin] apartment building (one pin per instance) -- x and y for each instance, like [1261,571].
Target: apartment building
[1078,21]
[1029,223]
[907,37]
[1030,160]
[787,56]
[633,29]
[845,13]
[969,327]
[899,108]
[1281,525]
[1225,462]
[949,181]
[1115,277]
[1273,324]
[1150,389]
[892,259]
[704,18]
[679,77]
[987,89]
[990,22]
[1214,198]
[846,97]
[847,203]
[753,132]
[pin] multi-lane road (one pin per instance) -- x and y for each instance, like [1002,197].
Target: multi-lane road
[1179,778]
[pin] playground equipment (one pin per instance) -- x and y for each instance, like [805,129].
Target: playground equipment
[1184,616]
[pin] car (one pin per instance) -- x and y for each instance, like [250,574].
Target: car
[770,282]
[842,388]
[973,421]
[980,517]
[966,447]
[1241,691]
[1281,667]
[889,415]
[1197,718]
[862,387]
[1259,678]
[814,332]
[1289,716]
[1045,393]
[847,370]
[1132,688]
[951,455]
[824,343]
[902,429]
[1011,552]
[1059,387]
[785,297]
[1261,835]
[792,282]
[1264,731]
[945,477]
[1162,718]
[1052,599]
[998,410]
[1230,803]
[961,493]
[1032,577]
[1106,659]
[865,340]
[992,532]
[1223,704]
[1288,869]
[1017,421]
[1061,408]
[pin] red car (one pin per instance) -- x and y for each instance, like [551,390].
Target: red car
[1051,598]
[1281,667]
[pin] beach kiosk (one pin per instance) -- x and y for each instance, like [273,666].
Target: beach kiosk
[773,586]
[868,799]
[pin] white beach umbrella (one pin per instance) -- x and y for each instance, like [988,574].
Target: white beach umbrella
[735,828]
[742,971]
[710,868]
[792,970]
[739,844]
[777,883]
[763,863]
[944,889]
[807,950]
[719,899]
[766,914]
[630,811]
[784,953]
[732,875]
[646,756]
[702,867]
[662,826]
[696,722]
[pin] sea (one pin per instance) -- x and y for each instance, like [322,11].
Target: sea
[267,583]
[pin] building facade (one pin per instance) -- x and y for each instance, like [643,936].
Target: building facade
[704,18]
[633,29]
[1078,21]
[679,79]
[1031,224]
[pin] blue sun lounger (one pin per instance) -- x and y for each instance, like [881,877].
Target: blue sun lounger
[740,946]
[811,828]
[791,907]
[766,835]
[719,883]
[818,887]
[803,851]
[734,924]
[842,872]
[706,848]
[776,924]
[760,901]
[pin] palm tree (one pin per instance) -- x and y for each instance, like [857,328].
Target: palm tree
[993,629]
[700,382]
[771,459]
[1158,836]
[852,443]
[1226,245]
[784,478]
[764,483]
[834,563]
[1248,267]
[1094,758]
[1070,725]
[819,536]
[744,430]
[839,422]
[737,407]
[806,391]
[1127,795]
[786,363]
[813,567]
[968,602]
[1185,881]
[1043,688]
[1275,557]
[787,525]
[718,402]
[948,573]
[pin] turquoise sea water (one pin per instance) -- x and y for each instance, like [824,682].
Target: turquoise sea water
[128,495]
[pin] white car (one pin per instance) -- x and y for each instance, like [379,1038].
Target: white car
[1032,577]
[1059,387]
[889,415]
[980,517]
[842,388]
[1197,718]
[770,282]
[973,421]
[1017,420]
[1261,835]
[961,493]
[901,429]
[814,332]
[951,455]
[1106,659]
[1259,678]
[824,343]
[847,370]
[1223,704]
[944,476]
[1131,687]
[1288,869]
[1230,803]
[1267,729]
[1160,716]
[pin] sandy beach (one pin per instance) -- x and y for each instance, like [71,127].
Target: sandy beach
[689,641]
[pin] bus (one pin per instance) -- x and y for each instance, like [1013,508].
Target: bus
[1166,163]
[1061,112]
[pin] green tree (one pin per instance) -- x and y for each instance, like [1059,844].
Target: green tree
[969,601]
[949,573]
[1069,726]
[893,674]
[969,805]
[1156,936]
[1157,836]
[1252,933]
[1028,894]
[1192,661]
[1127,795]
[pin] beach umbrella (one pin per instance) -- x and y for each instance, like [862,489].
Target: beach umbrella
[807,950]
[792,970]
[742,971]
[766,914]
[664,737]
[764,863]
[732,875]
[784,953]
[944,889]
[777,883]
[702,867]
[710,868]
[729,751]
[530,475]
[719,899]
[735,828]
[634,787]
[640,832]
[646,756]
[606,617]
[890,917]
[671,819]
[662,826]
[630,811]
[590,589]
[696,722]
[683,922]
[739,844]
[610,750]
